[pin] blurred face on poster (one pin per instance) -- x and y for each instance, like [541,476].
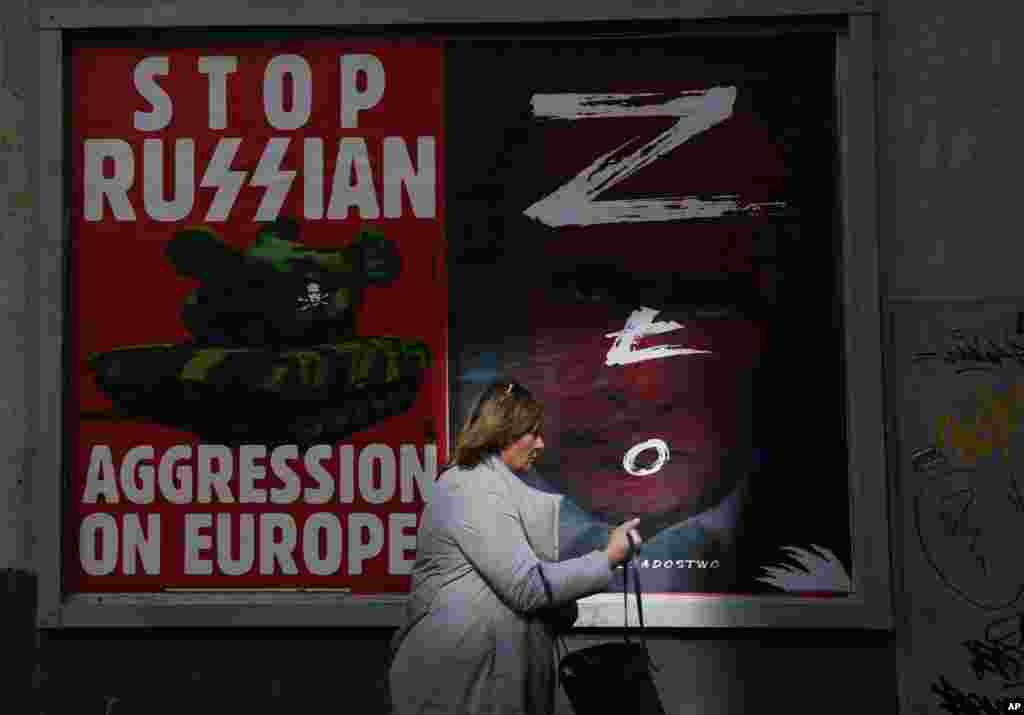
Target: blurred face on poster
[664,436]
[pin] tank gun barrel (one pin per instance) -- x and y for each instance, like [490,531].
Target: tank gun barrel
[198,253]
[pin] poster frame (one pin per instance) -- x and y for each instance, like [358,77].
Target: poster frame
[870,606]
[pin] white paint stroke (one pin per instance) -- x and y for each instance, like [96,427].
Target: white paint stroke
[568,105]
[629,460]
[641,323]
[575,202]
[817,569]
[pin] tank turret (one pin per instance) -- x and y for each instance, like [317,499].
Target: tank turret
[275,353]
[277,292]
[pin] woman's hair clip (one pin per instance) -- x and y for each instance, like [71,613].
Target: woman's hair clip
[509,390]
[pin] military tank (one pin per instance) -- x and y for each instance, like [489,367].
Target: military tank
[274,355]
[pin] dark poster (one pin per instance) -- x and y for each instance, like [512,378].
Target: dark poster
[644,233]
[258,308]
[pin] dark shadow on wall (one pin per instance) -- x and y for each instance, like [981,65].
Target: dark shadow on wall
[207,671]
[210,670]
[17,634]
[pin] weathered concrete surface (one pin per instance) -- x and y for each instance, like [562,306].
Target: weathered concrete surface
[948,145]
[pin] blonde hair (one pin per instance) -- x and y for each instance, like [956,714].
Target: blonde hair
[504,412]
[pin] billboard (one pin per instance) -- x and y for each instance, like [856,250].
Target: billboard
[295,260]
[258,309]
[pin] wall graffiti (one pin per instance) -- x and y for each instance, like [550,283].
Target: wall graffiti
[10,141]
[985,427]
[16,197]
[996,657]
[962,513]
[963,518]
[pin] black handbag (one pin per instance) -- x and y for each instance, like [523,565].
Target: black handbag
[599,678]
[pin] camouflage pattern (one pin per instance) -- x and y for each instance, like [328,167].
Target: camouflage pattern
[266,295]
[272,357]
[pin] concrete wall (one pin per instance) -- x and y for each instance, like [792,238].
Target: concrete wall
[17,586]
[948,121]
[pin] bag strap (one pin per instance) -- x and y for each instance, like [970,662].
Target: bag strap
[560,640]
[625,597]
[625,590]
[633,551]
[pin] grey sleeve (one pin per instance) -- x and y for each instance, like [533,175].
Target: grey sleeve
[488,531]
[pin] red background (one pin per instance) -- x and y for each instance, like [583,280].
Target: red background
[124,292]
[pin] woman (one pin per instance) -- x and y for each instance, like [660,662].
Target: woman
[486,584]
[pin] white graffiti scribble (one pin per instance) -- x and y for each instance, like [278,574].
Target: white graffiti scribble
[640,324]
[817,569]
[629,461]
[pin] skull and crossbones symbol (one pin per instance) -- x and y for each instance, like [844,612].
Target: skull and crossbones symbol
[314,297]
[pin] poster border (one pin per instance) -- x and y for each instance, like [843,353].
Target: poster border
[51,229]
[54,15]
[870,606]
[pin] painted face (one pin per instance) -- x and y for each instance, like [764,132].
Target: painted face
[663,437]
[520,455]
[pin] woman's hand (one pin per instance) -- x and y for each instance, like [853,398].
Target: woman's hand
[619,548]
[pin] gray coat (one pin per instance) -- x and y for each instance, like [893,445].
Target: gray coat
[478,637]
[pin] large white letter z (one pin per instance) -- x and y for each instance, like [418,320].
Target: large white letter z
[574,203]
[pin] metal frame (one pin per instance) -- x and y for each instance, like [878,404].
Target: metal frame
[309,13]
[871,604]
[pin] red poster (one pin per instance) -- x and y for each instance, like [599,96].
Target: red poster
[258,309]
